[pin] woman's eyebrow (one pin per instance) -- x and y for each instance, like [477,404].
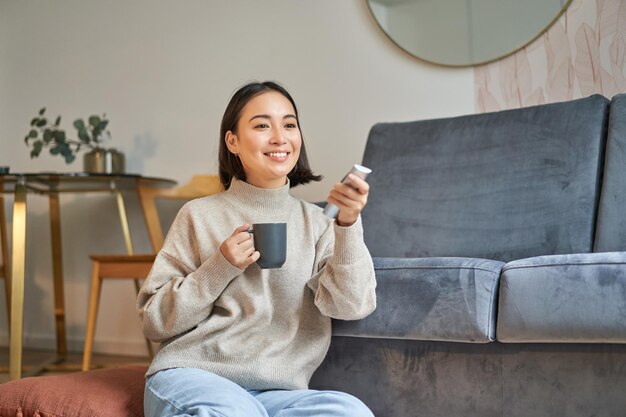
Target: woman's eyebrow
[259,116]
[266,116]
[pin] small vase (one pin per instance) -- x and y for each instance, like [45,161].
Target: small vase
[104,161]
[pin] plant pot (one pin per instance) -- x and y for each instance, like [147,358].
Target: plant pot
[104,161]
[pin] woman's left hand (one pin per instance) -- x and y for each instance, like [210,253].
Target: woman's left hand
[350,199]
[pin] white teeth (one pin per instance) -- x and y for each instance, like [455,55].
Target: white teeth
[277,154]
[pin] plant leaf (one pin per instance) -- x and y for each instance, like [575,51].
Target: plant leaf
[66,151]
[99,130]
[32,133]
[48,135]
[42,122]
[83,136]
[55,136]
[96,133]
[54,150]
[94,120]
[37,147]
[34,121]
[42,111]
[79,124]
[58,121]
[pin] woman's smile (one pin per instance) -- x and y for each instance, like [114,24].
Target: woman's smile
[279,156]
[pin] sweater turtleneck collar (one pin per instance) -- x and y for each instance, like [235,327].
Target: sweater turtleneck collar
[269,202]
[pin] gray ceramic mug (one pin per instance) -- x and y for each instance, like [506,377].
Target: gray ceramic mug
[270,239]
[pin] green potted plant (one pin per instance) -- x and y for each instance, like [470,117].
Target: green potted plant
[91,134]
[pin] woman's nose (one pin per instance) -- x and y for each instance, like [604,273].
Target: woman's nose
[278,137]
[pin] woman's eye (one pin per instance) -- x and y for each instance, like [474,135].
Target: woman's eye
[290,126]
[262,126]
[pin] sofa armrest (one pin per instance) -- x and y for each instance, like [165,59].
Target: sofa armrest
[579,298]
[447,299]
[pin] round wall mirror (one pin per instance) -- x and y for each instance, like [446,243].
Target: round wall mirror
[464,32]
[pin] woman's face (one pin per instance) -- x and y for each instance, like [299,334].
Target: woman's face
[267,140]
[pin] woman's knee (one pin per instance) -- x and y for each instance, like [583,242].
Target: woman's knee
[347,405]
[325,404]
[193,392]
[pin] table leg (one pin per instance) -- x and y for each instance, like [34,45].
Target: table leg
[17,281]
[124,222]
[57,267]
[4,244]
[129,248]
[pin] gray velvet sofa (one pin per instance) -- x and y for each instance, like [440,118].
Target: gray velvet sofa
[497,240]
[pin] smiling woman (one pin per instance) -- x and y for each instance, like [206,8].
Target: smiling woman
[241,337]
[464,32]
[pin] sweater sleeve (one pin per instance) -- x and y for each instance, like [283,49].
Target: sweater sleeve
[345,284]
[181,288]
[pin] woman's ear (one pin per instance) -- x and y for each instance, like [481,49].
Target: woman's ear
[231,142]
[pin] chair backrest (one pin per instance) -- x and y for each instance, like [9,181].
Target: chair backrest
[198,186]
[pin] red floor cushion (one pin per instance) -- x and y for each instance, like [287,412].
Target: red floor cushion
[101,393]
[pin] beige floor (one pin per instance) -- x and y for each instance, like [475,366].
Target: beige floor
[34,359]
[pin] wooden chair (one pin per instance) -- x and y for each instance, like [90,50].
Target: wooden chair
[136,267]
[4,263]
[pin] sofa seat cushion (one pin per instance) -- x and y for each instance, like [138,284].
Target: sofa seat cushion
[100,393]
[447,299]
[579,298]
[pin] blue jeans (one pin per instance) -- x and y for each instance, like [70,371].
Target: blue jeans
[194,392]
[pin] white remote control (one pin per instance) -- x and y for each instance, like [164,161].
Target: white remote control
[331,211]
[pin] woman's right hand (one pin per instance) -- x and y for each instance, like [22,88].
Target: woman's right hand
[238,248]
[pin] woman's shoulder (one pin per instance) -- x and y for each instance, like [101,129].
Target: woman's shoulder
[201,204]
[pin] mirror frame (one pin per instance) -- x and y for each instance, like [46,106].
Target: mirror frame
[566,5]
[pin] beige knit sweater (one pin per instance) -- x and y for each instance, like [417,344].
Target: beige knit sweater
[261,328]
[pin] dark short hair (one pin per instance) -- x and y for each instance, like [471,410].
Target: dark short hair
[229,165]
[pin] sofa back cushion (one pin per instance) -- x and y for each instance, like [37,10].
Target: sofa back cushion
[611,231]
[502,186]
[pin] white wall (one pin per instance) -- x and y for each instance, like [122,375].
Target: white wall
[163,72]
